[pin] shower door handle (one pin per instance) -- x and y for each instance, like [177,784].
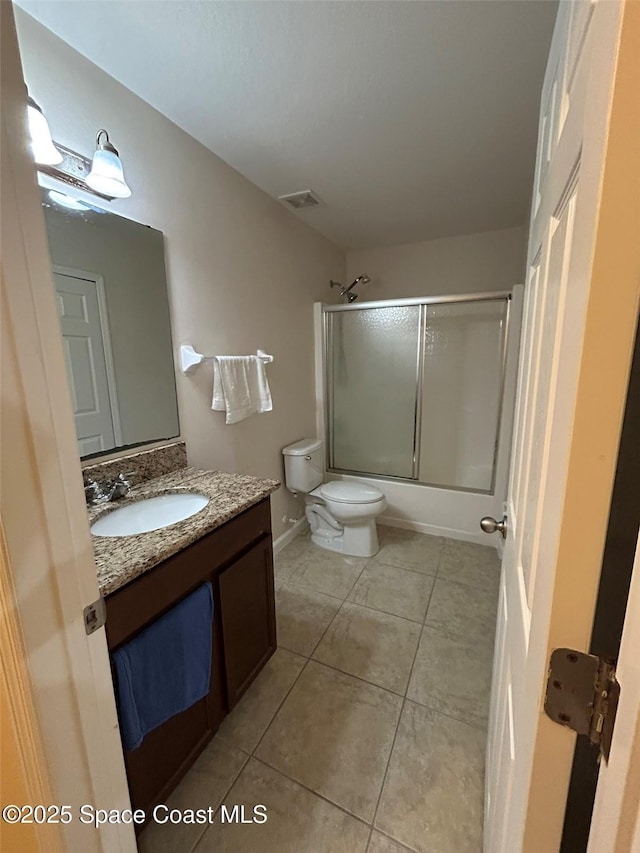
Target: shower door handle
[490,525]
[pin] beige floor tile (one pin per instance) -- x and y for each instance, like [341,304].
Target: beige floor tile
[393,590]
[299,544]
[372,645]
[409,550]
[475,565]
[287,563]
[452,675]
[334,734]
[463,610]
[298,821]
[303,616]
[381,844]
[325,571]
[204,785]
[248,721]
[433,793]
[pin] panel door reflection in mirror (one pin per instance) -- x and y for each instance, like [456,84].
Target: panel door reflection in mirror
[112,301]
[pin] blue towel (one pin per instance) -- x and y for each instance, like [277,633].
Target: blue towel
[166,668]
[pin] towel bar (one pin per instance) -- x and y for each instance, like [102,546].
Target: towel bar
[189,358]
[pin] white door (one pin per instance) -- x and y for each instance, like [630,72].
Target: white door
[575,106]
[49,572]
[84,350]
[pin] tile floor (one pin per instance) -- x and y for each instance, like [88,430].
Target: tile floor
[366,731]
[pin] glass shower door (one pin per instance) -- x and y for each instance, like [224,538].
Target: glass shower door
[464,350]
[373,356]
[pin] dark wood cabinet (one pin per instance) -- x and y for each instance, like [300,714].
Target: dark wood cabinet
[247,611]
[237,558]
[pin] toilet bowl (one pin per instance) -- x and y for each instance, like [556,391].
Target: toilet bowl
[341,513]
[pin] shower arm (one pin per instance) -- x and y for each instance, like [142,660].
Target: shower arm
[361,279]
[353,283]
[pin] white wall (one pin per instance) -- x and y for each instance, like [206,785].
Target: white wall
[242,272]
[493,260]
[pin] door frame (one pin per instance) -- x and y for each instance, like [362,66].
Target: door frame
[50,556]
[103,313]
[613,593]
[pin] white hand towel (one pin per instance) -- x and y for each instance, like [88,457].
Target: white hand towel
[260,386]
[218,404]
[240,387]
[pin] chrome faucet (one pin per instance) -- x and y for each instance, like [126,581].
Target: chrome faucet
[93,493]
[119,488]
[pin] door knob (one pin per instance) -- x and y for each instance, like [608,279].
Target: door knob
[490,525]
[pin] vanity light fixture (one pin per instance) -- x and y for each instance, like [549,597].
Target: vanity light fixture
[44,151]
[106,175]
[73,172]
[102,177]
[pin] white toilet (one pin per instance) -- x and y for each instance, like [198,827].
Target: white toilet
[342,514]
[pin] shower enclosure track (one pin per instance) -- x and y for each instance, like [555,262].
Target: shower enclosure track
[422,300]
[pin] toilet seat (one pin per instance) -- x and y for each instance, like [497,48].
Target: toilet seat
[350,493]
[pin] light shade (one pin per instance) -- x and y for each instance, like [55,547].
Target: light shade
[44,151]
[106,175]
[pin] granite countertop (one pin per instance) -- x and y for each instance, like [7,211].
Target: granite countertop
[120,559]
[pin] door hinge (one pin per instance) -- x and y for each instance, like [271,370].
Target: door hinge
[95,615]
[582,694]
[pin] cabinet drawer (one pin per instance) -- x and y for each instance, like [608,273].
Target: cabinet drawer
[133,606]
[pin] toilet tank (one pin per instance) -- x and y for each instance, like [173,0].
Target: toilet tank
[303,465]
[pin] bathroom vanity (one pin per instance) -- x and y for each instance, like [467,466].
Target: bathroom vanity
[228,544]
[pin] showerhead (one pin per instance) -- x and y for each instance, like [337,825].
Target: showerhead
[345,292]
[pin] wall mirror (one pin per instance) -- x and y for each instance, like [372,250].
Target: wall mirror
[111,291]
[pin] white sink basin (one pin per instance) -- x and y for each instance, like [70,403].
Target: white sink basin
[149,514]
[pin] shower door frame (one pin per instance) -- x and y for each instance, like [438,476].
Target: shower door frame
[422,302]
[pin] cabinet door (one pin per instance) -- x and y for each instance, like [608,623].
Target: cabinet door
[248,617]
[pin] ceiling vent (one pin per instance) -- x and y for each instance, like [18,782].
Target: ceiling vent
[304,198]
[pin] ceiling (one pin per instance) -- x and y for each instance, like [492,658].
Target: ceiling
[410,120]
